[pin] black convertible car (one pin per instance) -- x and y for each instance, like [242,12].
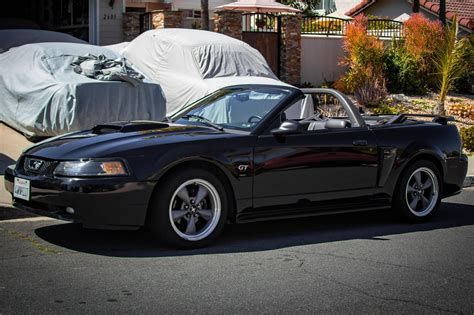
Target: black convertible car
[243,153]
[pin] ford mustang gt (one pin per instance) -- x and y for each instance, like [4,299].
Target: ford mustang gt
[240,154]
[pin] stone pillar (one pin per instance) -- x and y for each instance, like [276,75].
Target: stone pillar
[167,19]
[290,49]
[228,23]
[130,25]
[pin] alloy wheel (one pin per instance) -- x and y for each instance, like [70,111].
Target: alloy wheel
[195,209]
[422,191]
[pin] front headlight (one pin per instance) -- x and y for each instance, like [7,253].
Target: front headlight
[91,168]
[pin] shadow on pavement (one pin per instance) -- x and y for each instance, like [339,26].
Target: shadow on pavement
[258,236]
[9,213]
[5,161]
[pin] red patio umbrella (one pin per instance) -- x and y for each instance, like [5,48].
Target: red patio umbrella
[257,6]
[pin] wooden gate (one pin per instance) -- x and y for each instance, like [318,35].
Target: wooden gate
[262,32]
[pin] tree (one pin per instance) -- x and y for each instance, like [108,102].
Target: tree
[205,15]
[451,60]
[307,6]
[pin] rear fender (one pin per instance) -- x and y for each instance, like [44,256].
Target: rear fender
[415,151]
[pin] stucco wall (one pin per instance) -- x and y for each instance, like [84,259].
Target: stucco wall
[196,5]
[110,22]
[320,56]
[389,8]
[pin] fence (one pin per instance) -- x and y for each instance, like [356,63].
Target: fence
[146,21]
[259,22]
[333,26]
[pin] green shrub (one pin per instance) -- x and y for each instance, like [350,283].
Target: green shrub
[408,63]
[467,137]
[403,71]
[465,82]
[386,108]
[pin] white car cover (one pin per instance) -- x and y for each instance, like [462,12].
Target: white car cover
[41,95]
[189,64]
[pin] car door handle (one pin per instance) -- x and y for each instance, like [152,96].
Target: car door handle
[360,143]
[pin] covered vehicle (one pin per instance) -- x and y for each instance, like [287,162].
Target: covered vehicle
[189,64]
[41,95]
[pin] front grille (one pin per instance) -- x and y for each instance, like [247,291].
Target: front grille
[35,166]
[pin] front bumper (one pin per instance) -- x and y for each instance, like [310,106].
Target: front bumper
[111,203]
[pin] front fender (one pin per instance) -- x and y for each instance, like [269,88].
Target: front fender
[226,158]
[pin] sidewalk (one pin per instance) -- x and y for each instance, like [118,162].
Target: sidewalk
[470,172]
[11,145]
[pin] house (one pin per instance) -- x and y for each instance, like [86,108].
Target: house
[95,21]
[342,6]
[391,9]
[143,6]
[326,6]
[192,10]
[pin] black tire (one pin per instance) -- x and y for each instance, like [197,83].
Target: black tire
[408,190]
[165,203]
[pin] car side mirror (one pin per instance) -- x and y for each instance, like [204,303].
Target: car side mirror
[288,127]
[336,124]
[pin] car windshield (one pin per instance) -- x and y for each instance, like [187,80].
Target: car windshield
[233,108]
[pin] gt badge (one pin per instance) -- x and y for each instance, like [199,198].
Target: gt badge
[242,168]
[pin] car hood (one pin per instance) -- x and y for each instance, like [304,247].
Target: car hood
[120,139]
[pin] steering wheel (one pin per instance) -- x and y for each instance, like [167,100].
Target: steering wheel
[251,118]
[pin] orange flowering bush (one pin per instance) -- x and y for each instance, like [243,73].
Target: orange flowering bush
[365,62]
[422,38]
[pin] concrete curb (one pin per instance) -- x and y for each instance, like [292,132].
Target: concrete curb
[469,181]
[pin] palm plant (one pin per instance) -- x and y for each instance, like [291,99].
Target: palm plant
[450,62]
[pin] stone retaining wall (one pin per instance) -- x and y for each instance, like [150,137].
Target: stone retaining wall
[228,23]
[167,19]
[290,49]
[131,25]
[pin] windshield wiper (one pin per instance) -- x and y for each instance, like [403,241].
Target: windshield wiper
[204,120]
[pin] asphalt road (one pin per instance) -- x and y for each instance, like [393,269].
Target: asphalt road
[352,263]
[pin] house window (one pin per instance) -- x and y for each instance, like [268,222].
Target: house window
[66,16]
[191,14]
[327,6]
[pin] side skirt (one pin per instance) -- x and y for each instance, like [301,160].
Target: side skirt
[315,209]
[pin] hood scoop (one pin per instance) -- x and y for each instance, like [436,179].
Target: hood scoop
[128,126]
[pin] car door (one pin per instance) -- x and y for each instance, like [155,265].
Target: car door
[314,165]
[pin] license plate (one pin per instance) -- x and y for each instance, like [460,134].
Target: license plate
[21,188]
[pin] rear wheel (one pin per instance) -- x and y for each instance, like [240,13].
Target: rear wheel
[188,209]
[418,194]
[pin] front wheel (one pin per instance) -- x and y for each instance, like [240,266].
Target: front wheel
[418,194]
[188,209]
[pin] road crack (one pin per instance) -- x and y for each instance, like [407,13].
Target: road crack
[365,260]
[391,299]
